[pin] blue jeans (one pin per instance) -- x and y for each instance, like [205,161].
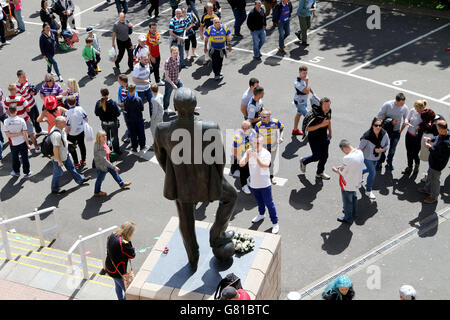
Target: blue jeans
[259,38]
[264,199]
[239,18]
[101,176]
[1,148]
[319,148]
[394,137]
[191,7]
[122,3]
[147,95]
[18,16]
[168,91]
[52,62]
[21,150]
[284,31]
[58,172]
[120,288]
[180,50]
[349,200]
[371,169]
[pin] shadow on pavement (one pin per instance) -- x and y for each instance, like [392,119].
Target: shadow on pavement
[303,198]
[337,240]
[292,147]
[427,221]
[365,210]
[249,66]
[93,205]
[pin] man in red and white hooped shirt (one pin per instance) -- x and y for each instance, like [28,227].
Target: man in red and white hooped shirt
[23,89]
[22,112]
[350,178]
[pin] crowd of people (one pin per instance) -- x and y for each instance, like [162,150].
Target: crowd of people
[256,144]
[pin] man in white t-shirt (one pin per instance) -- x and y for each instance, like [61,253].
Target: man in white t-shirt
[248,94]
[350,177]
[61,156]
[15,129]
[258,160]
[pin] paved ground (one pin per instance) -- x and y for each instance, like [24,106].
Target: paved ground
[15,291]
[314,243]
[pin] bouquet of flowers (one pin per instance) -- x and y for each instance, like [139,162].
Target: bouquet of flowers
[243,243]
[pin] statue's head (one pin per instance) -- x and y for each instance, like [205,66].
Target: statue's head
[184,102]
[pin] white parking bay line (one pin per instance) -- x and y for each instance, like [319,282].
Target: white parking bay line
[445,98]
[399,89]
[398,48]
[319,28]
[86,10]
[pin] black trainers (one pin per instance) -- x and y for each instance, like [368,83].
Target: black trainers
[408,170]
[84,180]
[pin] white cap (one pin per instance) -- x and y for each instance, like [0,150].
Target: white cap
[407,292]
[142,37]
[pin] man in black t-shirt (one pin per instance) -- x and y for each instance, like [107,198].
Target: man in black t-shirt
[319,136]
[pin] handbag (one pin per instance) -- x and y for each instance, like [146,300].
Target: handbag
[127,277]
[88,132]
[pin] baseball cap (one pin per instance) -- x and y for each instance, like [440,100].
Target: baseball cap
[407,292]
[89,29]
[229,293]
[142,37]
[50,103]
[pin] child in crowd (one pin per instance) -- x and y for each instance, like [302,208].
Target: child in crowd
[73,89]
[96,44]
[89,55]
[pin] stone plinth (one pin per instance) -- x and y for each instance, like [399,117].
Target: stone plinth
[169,276]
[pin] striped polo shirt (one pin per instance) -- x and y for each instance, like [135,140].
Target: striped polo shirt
[177,26]
[142,73]
[23,90]
[22,106]
[270,132]
[51,91]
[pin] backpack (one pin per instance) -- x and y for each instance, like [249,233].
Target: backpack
[230,280]
[47,145]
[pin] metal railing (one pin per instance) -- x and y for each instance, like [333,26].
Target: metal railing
[80,244]
[36,214]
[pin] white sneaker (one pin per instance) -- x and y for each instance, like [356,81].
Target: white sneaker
[161,83]
[275,228]
[188,57]
[38,150]
[237,174]
[323,176]
[371,195]
[60,79]
[259,217]
[246,190]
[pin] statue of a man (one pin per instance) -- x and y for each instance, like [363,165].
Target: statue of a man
[191,153]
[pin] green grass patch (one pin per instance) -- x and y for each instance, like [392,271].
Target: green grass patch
[430,4]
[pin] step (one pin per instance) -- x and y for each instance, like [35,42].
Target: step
[30,243]
[23,272]
[57,267]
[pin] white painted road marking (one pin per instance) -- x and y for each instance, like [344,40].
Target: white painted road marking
[319,28]
[350,75]
[93,7]
[445,98]
[398,48]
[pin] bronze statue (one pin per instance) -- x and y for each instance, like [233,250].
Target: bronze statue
[192,177]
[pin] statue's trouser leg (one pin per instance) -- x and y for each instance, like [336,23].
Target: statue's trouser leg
[224,212]
[187,230]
